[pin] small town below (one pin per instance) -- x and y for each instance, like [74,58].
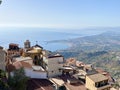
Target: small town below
[34,68]
[59,44]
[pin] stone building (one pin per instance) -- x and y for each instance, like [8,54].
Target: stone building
[54,64]
[27,44]
[97,82]
[2,58]
[35,52]
[14,50]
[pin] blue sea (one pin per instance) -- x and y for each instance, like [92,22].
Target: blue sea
[41,35]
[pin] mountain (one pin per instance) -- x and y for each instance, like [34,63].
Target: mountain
[102,50]
[107,41]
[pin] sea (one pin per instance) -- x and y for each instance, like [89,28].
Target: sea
[41,36]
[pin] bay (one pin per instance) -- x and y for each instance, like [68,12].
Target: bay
[42,35]
[39,35]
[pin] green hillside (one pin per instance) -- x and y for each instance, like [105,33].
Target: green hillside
[101,50]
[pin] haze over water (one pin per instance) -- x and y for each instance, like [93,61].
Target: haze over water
[41,35]
[43,15]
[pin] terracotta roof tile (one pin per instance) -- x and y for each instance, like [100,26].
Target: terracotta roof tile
[26,65]
[18,65]
[39,84]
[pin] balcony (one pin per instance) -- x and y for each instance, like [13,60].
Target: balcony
[60,62]
[104,86]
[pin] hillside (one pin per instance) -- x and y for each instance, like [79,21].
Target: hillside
[108,41]
[102,50]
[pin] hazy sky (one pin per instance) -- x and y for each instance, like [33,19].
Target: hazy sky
[60,13]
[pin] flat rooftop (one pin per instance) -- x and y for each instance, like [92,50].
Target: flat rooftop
[76,86]
[23,58]
[57,81]
[97,77]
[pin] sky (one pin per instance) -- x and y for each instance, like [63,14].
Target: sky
[70,14]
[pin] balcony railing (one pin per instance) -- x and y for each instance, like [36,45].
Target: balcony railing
[105,86]
[101,85]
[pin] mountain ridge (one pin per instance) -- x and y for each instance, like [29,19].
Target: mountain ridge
[102,50]
[105,41]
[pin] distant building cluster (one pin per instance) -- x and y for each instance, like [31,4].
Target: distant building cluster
[53,70]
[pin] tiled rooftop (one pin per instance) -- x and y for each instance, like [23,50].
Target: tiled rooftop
[39,84]
[76,86]
[105,73]
[18,65]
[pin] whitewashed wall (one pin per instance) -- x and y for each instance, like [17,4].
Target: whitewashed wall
[34,74]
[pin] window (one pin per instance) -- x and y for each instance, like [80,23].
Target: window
[59,70]
[52,71]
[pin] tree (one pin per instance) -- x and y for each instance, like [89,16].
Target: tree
[3,85]
[62,88]
[2,74]
[18,80]
[3,81]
